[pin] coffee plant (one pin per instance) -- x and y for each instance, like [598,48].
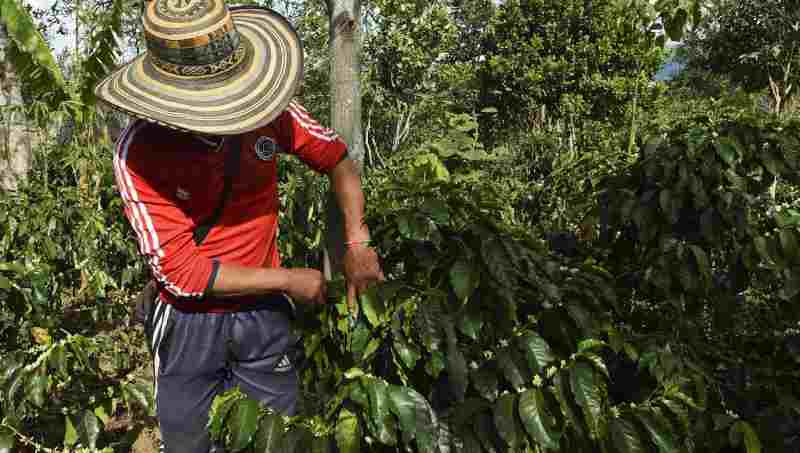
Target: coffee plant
[56,384]
[73,373]
[621,275]
[701,233]
[482,340]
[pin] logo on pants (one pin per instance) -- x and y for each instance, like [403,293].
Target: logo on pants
[285,365]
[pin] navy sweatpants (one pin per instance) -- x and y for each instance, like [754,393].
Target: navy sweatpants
[196,356]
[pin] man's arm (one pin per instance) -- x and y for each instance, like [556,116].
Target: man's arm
[321,149]
[361,266]
[360,261]
[346,183]
[305,285]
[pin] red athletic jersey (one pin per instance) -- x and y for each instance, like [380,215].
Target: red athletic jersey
[172,181]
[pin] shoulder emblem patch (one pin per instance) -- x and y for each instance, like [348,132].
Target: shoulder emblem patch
[265,148]
[183,194]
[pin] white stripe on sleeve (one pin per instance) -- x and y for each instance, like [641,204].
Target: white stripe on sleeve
[143,223]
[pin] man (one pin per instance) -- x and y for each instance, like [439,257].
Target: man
[198,175]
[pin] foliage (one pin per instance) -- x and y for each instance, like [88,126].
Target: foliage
[750,52]
[103,54]
[29,54]
[72,367]
[483,340]
[57,387]
[694,234]
[574,58]
[41,77]
[620,275]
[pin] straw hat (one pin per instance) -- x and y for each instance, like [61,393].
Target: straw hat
[209,69]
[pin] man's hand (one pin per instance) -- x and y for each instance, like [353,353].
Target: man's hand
[361,268]
[306,285]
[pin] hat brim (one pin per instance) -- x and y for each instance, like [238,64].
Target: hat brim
[245,98]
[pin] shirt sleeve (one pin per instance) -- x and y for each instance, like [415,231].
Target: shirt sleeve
[318,147]
[163,230]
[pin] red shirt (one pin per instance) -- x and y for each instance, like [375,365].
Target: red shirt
[172,181]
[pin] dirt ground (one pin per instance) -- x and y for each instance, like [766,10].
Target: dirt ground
[147,442]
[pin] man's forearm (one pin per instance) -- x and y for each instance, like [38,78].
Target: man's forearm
[346,183]
[233,280]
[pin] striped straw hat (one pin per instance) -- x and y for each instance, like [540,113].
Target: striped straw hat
[209,69]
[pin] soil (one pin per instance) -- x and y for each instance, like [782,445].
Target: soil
[147,442]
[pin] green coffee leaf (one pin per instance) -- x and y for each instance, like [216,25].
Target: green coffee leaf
[220,407]
[58,359]
[485,432]
[320,445]
[7,440]
[464,279]
[89,429]
[360,339]
[415,415]
[243,424]
[5,283]
[372,306]
[537,420]
[371,348]
[485,382]
[596,361]
[590,391]
[505,420]
[591,344]
[14,384]
[583,319]
[466,411]
[36,389]
[722,421]
[664,201]
[700,388]
[741,428]
[466,441]
[470,323]
[789,245]
[70,433]
[537,351]
[408,353]
[444,438]
[762,247]
[141,394]
[436,364]
[659,430]
[297,440]
[437,210]
[679,411]
[269,437]
[100,412]
[382,423]
[354,373]
[428,321]
[80,354]
[510,370]
[727,150]
[563,395]
[348,432]
[625,437]
[9,372]
[456,364]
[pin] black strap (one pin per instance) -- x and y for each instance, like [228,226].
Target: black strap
[231,169]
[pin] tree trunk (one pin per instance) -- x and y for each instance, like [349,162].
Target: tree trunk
[15,139]
[345,45]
